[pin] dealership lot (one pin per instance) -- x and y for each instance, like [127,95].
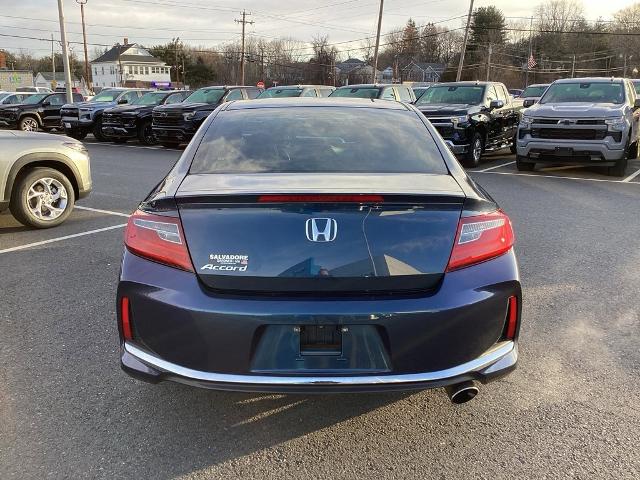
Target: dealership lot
[569,411]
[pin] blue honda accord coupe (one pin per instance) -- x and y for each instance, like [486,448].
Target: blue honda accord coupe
[319,245]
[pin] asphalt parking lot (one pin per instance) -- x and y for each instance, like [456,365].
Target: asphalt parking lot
[570,410]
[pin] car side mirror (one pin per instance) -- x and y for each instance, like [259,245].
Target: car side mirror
[636,104]
[46,103]
[528,102]
[122,101]
[496,104]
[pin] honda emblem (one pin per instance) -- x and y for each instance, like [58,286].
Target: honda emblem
[321,229]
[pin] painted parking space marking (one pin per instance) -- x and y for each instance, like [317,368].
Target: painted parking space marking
[106,212]
[604,180]
[126,146]
[632,176]
[495,167]
[59,239]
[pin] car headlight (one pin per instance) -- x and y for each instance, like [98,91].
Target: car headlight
[78,147]
[188,116]
[526,122]
[616,124]
[460,119]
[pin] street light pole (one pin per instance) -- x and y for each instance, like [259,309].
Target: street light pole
[375,51]
[82,3]
[464,42]
[65,53]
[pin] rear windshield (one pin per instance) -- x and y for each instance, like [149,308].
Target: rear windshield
[356,92]
[592,92]
[318,139]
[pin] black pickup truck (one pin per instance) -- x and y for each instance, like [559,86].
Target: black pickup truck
[125,122]
[472,117]
[176,124]
[40,111]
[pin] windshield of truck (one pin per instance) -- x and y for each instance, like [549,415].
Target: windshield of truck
[32,99]
[453,94]
[106,96]
[534,91]
[590,92]
[206,95]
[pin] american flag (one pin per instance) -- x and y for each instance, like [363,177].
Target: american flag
[532,62]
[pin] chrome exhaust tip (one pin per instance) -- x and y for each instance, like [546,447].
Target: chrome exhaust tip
[461,392]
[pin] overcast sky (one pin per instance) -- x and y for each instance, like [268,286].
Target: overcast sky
[211,22]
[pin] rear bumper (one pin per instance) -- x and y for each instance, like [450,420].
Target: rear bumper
[185,333]
[496,362]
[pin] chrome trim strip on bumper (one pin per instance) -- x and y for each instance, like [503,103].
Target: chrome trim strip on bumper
[501,355]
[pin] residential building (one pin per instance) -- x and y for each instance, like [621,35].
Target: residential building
[46,79]
[129,65]
[422,72]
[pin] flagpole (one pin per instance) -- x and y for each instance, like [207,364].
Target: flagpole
[526,81]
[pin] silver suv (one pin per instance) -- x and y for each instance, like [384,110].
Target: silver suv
[41,176]
[581,121]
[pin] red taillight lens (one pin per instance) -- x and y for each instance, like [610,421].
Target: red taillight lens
[125,319]
[512,318]
[480,238]
[321,198]
[158,238]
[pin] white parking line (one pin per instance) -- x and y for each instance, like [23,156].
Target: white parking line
[58,239]
[632,176]
[127,146]
[107,212]
[496,166]
[553,176]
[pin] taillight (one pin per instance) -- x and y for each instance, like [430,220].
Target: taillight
[512,318]
[481,238]
[158,238]
[125,319]
[321,198]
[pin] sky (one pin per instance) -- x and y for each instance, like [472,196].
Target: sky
[210,23]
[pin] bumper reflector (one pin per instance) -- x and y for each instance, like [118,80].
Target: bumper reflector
[125,319]
[512,318]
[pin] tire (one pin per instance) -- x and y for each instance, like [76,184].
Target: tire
[514,147]
[524,166]
[28,123]
[633,151]
[145,134]
[472,157]
[97,130]
[619,169]
[38,210]
[78,135]
[170,144]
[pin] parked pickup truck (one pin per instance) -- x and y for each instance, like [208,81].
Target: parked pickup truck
[581,121]
[125,122]
[471,117]
[38,111]
[79,119]
[176,124]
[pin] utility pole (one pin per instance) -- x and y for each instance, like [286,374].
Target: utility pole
[573,66]
[244,22]
[375,51]
[624,72]
[489,61]
[176,61]
[65,53]
[82,3]
[526,80]
[464,42]
[53,63]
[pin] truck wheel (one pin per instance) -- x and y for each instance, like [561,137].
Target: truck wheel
[472,157]
[170,144]
[42,198]
[633,151]
[28,124]
[77,134]
[524,166]
[145,134]
[97,130]
[514,145]
[619,169]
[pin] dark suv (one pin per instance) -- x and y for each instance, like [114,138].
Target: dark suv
[297,91]
[125,122]
[176,124]
[40,111]
[398,92]
[472,117]
[80,119]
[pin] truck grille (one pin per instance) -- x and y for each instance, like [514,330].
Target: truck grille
[69,112]
[443,125]
[556,121]
[568,133]
[165,119]
[112,119]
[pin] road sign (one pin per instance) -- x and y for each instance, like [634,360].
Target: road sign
[260,84]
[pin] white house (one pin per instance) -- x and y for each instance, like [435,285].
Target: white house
[129,65]
[45,79]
